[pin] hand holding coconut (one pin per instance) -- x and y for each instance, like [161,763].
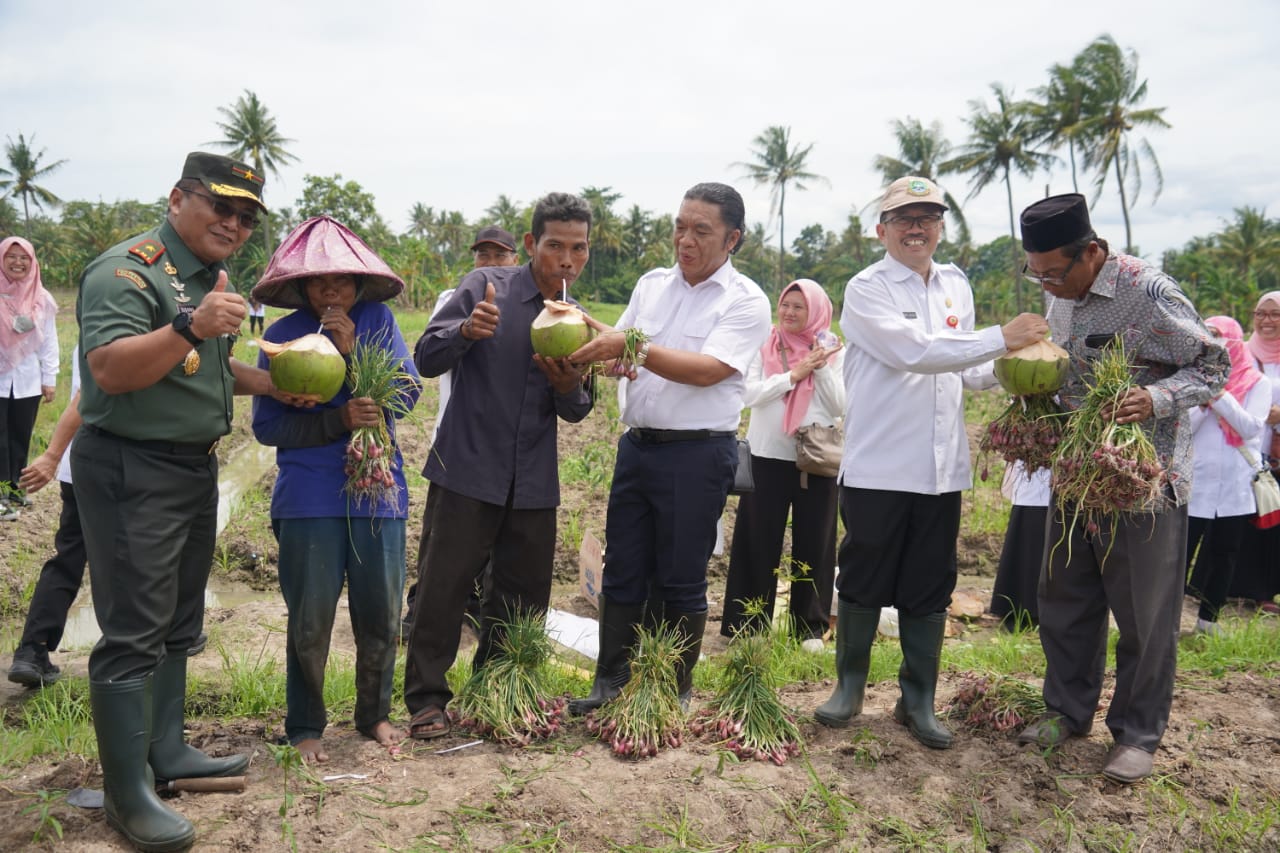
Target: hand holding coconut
[219,312]
[483,321]
[1024,330]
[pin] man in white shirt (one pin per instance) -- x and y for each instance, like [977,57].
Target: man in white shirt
[911,349]
[704,321]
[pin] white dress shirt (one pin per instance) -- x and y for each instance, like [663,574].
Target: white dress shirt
[1221,478]
[37,369]
[766,398]
[446,378]
[726,317]
[64,464]
[911,350]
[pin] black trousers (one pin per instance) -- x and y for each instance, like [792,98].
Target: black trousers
[899,549]
[463,534]
[17,421]
[1219,540]
[149,517]
[59,580]
[1013,597]
[756,552]
[661,528]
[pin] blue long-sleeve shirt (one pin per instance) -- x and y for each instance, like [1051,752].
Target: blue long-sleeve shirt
[498,436]
[311,443]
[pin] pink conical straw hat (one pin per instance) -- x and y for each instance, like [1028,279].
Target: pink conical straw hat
[320,246]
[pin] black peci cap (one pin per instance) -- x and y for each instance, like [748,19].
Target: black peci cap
[1054,222]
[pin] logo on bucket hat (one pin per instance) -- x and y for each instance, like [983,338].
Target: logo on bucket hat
[911,190]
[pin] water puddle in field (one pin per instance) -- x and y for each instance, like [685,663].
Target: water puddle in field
[235,477]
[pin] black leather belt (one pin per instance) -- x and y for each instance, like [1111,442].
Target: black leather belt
[662,436]
[173,448]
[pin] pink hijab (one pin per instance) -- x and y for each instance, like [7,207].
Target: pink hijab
[1243,374]
[1267,352]
[797,346]
[25,297]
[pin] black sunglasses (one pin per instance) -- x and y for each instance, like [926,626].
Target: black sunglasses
[222,210]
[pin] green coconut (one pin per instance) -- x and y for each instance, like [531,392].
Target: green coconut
[559,330]
[1036,369]
[310,365]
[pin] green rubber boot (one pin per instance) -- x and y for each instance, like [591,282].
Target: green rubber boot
[855,632]
[171,757]
[122,714]
[618,624]
[921,638]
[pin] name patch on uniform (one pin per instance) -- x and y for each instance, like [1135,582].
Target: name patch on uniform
[910,315]
[133,277]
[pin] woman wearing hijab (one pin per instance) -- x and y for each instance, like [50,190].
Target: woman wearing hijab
[28,363]
[793,381]
[1257,576]
[336,284]
[1221,496]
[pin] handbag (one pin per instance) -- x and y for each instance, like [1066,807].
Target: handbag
[1266,494]
[819,448]
[743,481]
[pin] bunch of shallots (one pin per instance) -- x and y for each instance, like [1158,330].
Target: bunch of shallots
[646,716]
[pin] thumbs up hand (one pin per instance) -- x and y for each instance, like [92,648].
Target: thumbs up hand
[483,320]
[219,312]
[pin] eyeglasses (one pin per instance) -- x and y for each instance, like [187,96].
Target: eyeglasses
[1271,316]
[17,256]
[1053,280]
[928,220]
[222,210]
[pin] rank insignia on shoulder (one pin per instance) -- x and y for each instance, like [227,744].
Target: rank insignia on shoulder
[170,269]
[133,277]
[148,250]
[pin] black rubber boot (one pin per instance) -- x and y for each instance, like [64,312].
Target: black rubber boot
[171,757]
[921,638]
[855,632]
[688,628]
[122,720]
[618,625]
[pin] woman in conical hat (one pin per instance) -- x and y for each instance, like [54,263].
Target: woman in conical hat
[327,533]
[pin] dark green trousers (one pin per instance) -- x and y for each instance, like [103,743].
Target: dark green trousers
[149,514]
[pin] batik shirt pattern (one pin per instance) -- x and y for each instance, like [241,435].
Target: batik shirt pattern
[1172,352]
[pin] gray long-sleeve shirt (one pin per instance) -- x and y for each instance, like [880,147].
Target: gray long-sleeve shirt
[497,438]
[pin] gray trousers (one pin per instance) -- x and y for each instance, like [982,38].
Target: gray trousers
[1141,581]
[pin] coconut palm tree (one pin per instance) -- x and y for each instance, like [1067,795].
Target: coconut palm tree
[23,172]
[921,152]
[1063,104]
[507,215]
[777,164]
[1001,141]
[1113,113]
[422,221]
[1250,245]
[251,133]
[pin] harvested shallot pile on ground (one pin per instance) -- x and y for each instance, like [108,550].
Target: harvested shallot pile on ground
[995,702]
[746,715]
[508,699]
[646,716]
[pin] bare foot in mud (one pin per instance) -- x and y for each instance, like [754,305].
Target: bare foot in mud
[312,751]
[388,736]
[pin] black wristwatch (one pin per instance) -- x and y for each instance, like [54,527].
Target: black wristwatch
[182,325]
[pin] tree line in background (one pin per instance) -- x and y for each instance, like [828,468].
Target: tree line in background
[1088,109]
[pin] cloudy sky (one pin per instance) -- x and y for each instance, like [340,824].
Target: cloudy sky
[450,104]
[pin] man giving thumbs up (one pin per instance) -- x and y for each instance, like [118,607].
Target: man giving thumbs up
[493,468]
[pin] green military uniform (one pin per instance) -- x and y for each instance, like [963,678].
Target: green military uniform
[152,478]
[146,481]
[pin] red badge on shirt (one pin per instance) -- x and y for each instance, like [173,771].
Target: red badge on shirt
[953,321]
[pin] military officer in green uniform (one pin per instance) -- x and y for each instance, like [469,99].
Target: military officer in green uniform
[157,316]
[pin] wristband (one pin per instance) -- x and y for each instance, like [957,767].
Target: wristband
[642,354]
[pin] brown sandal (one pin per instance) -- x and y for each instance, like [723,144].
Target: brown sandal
[429,723]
